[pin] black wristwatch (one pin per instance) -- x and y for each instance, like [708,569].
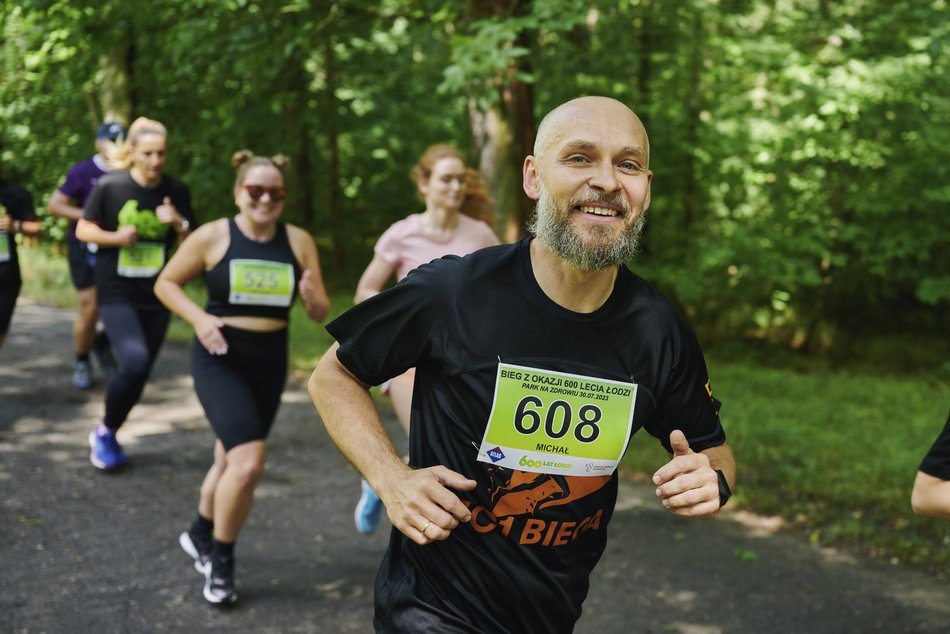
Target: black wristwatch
[724,491]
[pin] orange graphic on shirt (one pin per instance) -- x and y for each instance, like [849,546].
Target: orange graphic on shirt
[517,495]
[526,492]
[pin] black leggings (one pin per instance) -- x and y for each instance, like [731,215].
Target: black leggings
[9,290]
[136,337]
[240,391]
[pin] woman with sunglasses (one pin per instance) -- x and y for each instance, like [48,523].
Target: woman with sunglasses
[457,220]
[254,266]
[134,215]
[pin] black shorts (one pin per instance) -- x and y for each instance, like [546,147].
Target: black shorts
[240,391]
[9,290]
[82,265]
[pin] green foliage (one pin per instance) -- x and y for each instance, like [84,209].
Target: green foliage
[44,78]
[46,275]
[828,201]
[800,170]
[933,290]
[485,55]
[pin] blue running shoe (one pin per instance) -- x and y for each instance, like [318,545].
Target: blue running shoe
[106,452]
[368,510]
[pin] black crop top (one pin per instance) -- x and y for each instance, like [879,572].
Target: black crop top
[254,279]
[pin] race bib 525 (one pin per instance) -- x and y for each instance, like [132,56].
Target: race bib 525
[261,283]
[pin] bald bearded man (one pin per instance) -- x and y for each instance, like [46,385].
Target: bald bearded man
[535,363]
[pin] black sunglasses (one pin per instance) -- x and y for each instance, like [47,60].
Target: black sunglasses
[256,192]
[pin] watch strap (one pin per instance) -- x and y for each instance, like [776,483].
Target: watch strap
[724,491]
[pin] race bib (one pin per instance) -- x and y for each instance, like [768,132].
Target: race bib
[4,247]
[557,423]
[261,283]
[144,259]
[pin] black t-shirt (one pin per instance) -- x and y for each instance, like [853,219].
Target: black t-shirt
[523,562]
[937,461]
[19,204]
[124,275]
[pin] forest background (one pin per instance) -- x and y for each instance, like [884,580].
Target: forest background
[801,197]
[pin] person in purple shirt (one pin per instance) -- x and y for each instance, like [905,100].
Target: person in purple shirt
[67,202]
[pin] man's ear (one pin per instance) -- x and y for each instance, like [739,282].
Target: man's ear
[531,178]
[649,196]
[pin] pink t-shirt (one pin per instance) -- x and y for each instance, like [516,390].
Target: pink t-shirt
[406,246]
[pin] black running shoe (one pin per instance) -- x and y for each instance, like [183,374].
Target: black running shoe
[219,584]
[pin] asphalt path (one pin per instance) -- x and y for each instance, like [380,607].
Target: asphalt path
[85,551]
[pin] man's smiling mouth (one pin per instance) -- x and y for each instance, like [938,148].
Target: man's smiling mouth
[598,211]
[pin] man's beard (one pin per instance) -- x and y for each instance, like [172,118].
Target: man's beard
[552,227]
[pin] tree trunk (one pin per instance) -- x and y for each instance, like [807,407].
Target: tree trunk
[334,213]
[693,108]
[116,93]
[645,60]
[295,114]
[504,134]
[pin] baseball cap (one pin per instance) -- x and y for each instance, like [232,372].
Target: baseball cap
[111,131]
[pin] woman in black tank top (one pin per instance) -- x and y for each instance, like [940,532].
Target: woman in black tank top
[254,266]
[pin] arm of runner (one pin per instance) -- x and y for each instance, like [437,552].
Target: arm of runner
[374,278]
[88,231]
[420,503]
[187,264]
[688,484]
[26,227]
[931,496]
[313,292]
[168,214]
[59,205]
[30,227]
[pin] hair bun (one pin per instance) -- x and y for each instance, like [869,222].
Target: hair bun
[240,158]
[280,161]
